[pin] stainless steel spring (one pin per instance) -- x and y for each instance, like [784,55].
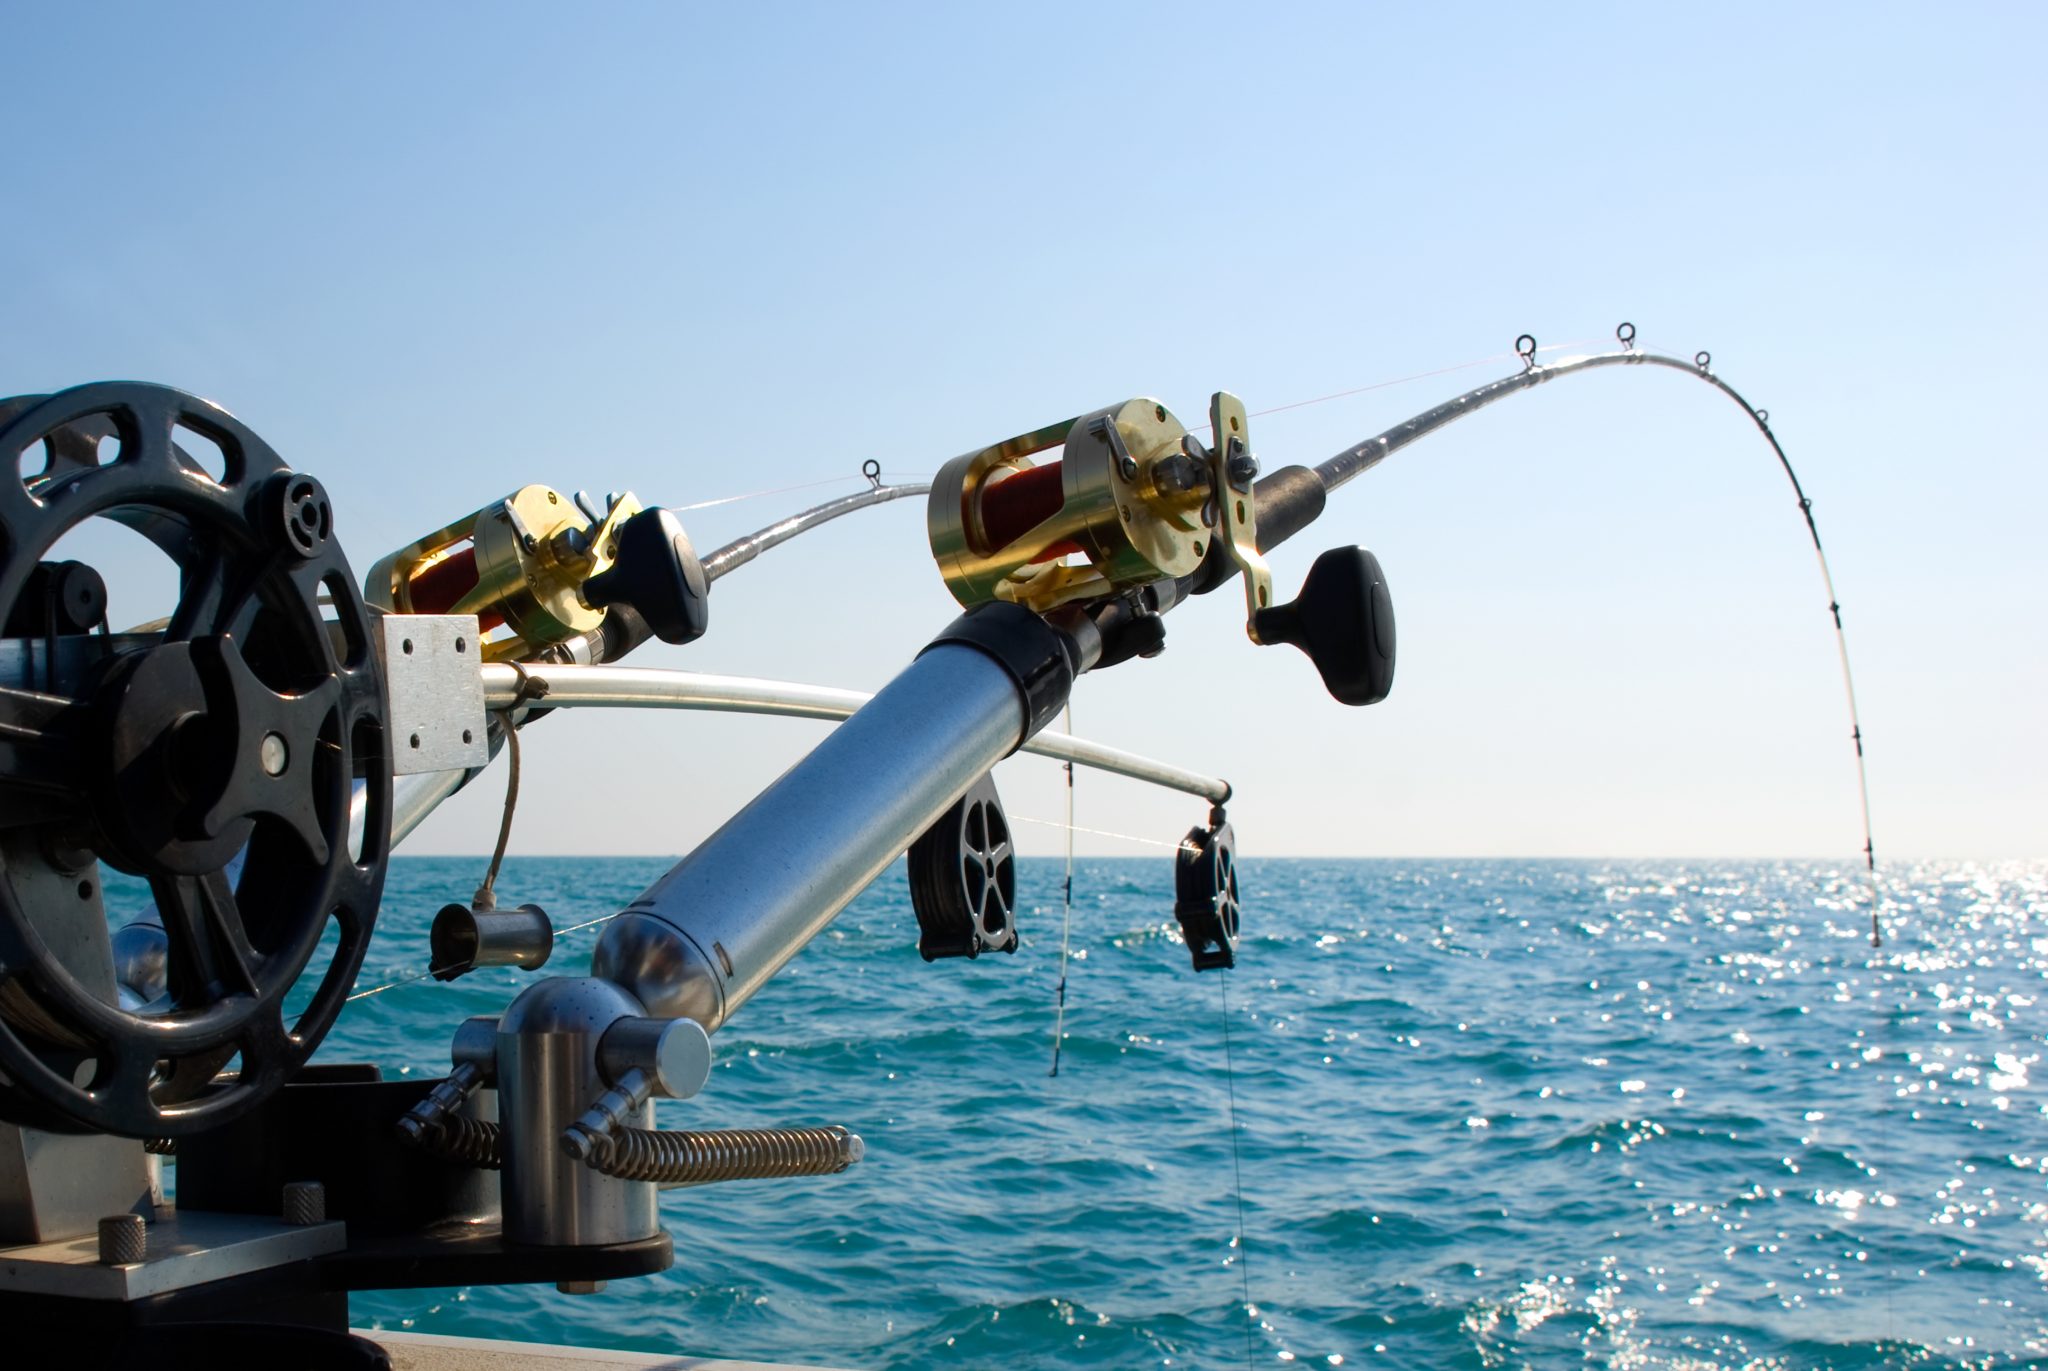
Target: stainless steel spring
[684,1157]
[473,1142]
[462,1140]
[160,1147]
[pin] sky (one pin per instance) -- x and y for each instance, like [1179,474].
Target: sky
[433,253]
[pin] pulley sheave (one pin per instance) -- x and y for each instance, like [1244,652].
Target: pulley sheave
[963,879]
[215,754]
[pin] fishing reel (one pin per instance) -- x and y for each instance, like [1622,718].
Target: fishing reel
[232,754]
[542,572]
[1135,501]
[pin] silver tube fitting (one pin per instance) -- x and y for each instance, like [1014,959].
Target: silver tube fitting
[547,1050]
[674,1055]
[464,938]
[421,1122]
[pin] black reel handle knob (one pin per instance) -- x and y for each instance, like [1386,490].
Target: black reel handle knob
[1344,620]
[656,573]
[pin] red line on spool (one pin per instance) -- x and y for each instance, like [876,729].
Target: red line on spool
[1015,505]
[436,589]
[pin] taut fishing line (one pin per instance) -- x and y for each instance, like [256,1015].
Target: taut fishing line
[1059,1022]
[1244,1270]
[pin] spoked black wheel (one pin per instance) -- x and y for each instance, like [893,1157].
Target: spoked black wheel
[1205,895]
[216,754]
[963,879]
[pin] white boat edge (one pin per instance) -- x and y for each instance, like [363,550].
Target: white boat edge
[433,1352]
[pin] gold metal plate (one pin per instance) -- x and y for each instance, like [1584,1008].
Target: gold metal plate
[1237,515]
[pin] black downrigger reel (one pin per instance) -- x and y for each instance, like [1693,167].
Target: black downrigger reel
[232,755]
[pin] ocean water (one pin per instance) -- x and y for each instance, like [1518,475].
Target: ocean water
[1488,1114]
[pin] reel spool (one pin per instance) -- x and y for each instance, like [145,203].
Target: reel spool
[963,879]
[213,754]
[1205,894]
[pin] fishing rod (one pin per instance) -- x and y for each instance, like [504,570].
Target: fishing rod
[256,756]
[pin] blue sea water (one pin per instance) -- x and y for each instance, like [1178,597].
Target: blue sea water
[1489,1114]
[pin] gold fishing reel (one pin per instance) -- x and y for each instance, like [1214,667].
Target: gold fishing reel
[1134,498]
[520,564]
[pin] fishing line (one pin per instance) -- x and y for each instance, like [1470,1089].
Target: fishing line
[1101,832]
[560,934]
[762,494]
[1488,360]
[1059,1022]
[1236,1168]
[1363,457]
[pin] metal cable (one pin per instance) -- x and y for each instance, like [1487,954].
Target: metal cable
[1363,457]
[486,896]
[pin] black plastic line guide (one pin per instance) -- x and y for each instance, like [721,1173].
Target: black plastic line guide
[1205,894]
[963,879]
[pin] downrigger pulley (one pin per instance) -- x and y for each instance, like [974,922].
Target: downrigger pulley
[232,755]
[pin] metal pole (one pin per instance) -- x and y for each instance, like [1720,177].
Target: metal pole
[625,687]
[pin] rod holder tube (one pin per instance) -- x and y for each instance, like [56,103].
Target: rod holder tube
[702,939]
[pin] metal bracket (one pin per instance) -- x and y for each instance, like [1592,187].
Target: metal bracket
[1232,469]
[183,1250]
[433,668]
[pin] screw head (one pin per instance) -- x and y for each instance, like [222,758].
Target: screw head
[274,754]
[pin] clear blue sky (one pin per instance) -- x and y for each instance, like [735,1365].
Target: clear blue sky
[435,252]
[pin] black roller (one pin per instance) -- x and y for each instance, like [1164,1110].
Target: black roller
[1205,895]
[963,879]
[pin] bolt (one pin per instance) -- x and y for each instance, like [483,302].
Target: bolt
[124,1239]
[305,1203]
[274,754]
[1242,467]
[1129,467]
